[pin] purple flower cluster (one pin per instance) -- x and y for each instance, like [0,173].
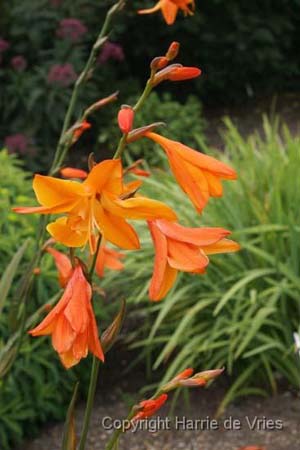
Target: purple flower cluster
[71,29]
[17,143]
[4,45]
[110,50]
[18,63]
[62,74]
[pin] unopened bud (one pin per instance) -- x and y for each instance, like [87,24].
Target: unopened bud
[100,103]
[158,63]
[36,271]
[138,133]
[111,333]
[72,172]
[125,119]
[173,51]
[176,72]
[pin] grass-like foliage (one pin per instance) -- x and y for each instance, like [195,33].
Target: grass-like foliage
[243,312]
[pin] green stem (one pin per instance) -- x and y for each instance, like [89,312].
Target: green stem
[144,96]
[63,147]
[89,403]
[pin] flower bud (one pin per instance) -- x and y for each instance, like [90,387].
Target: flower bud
[158,63]
[173,51]
[100,103]
[125,119]
[72,172]
[176,72]
[111,333]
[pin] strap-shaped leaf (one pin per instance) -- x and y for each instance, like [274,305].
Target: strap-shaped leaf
[9,273]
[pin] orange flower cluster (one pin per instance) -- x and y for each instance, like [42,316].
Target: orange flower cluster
[100,204]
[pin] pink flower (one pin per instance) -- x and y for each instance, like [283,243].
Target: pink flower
[110,50]
[62,74]
[17,143]
[71,29]
[18,63]
[4,45]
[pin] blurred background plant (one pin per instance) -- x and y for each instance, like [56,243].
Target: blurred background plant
[242,55]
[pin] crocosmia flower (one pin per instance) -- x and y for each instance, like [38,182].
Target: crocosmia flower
[198,175]
[100,204]
[63,265]
[72,324]
[185,249]
[170,8]
[149,407]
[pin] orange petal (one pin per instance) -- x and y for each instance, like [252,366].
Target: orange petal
[80,345]
[106,175]
[137,208]
[223,246]
[168,281]
[65,231]
[115,229]
[63,335]
[191,180]
[93,336]
[68,359]
[63,265]
[186,257]
[169,11]
[76,311]
[160,261]
[198,236]
[52,192]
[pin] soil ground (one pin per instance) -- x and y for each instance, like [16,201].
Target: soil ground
[254,420]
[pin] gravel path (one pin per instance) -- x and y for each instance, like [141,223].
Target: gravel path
[282,411]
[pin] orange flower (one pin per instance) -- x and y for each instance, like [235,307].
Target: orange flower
[169,9]
[107,257]
[100,204]
[72,172]
[72,323]
[198,175]
[63,265]
[185,249]
[149,407]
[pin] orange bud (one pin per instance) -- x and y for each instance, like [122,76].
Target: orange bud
[79,129]
[176,72]
[173,51]
[158,63]
[71,172]
[100,103]
[184,374]
[36,271]
[125,119]
[134,168]
[149,407]
[184,73]
[201,378]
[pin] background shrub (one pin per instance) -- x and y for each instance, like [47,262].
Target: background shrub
[243,312]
